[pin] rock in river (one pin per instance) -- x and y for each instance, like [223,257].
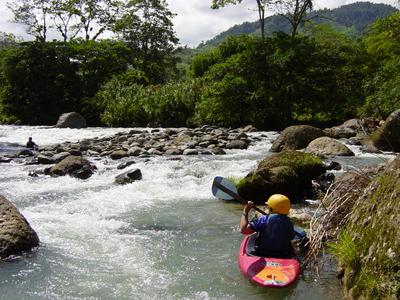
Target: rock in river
[16,235]
[296,137]
[75,166]
[129,176]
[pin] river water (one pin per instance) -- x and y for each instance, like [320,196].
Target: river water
[164,237]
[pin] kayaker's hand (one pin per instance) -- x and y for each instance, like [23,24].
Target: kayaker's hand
[248,207]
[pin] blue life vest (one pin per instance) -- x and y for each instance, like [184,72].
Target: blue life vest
[275,233]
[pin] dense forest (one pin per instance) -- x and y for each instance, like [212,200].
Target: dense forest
[316,76]
[352,19]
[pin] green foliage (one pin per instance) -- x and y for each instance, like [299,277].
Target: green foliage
[309,165]
[345,250]
[277,81]
[369,245]
[383,45]
[154,105]
[352,19]
[147,28]
[43,80]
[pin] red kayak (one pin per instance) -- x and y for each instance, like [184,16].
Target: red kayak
[265,271]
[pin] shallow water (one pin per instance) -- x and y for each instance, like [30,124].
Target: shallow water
[162,237]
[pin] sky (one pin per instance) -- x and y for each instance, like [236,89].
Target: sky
[195,20]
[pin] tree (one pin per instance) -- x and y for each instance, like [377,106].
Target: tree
[96,16]
[34,14]
[146,27]
[383,44]
[42,80]
[261,5]
[295,11]
[64,15]
[68,17]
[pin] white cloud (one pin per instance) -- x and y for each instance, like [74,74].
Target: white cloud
[195,20]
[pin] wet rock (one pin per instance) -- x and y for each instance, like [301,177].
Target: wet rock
[126,164]
[135,151]
[129,176]
[5,159]
[75,152]
[237,144]
[16,235]
[173,151]
[248,128]
[296,137]
[33,174]
[300,217]
[190,152]
[60,156]
[118,154]
[71,120]
[45,160]
[154,151]
[218,151]
[75,166]
[25,153]
[332,165]
[328,147]
[339,133]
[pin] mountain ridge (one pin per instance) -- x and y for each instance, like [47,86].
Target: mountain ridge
[353,19]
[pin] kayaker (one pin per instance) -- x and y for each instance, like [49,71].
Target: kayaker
[275,230]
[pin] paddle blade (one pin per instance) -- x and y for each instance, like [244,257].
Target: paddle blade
[299,233]
[226,184]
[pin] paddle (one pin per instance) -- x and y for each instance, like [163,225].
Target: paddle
[224,189]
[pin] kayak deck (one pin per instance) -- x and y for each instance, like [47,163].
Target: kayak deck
[266,271]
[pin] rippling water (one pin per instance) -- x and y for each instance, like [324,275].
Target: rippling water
[162,237]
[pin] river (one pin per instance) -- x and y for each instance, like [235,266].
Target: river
[164,237]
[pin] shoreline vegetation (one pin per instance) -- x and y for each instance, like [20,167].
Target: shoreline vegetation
[318,77]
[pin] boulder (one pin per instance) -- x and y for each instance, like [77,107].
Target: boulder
[236,144]
[190,152]
[289,173]
[126,164]
[71,120]
[118,154]
[352,128]
[300,217]
[16,235]
[387,136]
[5,159]
[45,160]
[26,152]
[128,177]
[328,147]
[296,137]
[75,166]
[338,132]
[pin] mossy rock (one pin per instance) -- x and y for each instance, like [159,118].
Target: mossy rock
[306,165]
[289,173]
[369,246]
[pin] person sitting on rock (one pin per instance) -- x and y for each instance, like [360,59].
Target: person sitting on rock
[31,144]
[275,230]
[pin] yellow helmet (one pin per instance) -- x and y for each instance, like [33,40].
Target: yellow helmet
[279,203]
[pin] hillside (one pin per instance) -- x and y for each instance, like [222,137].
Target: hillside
[352,19]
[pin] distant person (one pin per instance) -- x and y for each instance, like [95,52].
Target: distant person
[31,144]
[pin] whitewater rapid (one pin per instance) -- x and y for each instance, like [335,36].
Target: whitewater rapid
[162,237]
